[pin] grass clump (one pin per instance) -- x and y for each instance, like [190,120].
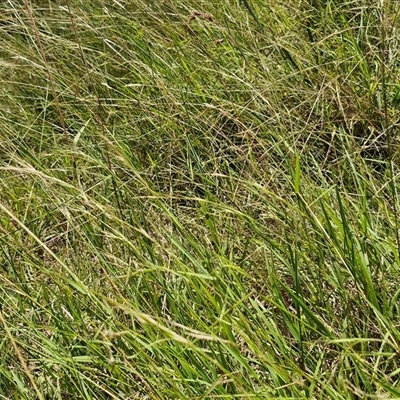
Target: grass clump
[199,200]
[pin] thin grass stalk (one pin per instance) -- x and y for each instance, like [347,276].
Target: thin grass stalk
[52,84]
[100,107]
[21,358]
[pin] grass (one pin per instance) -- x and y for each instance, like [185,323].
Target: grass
[199,200]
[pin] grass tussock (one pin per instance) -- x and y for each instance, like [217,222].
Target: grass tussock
[199,200]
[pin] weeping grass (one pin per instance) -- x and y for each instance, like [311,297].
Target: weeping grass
[199,200]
